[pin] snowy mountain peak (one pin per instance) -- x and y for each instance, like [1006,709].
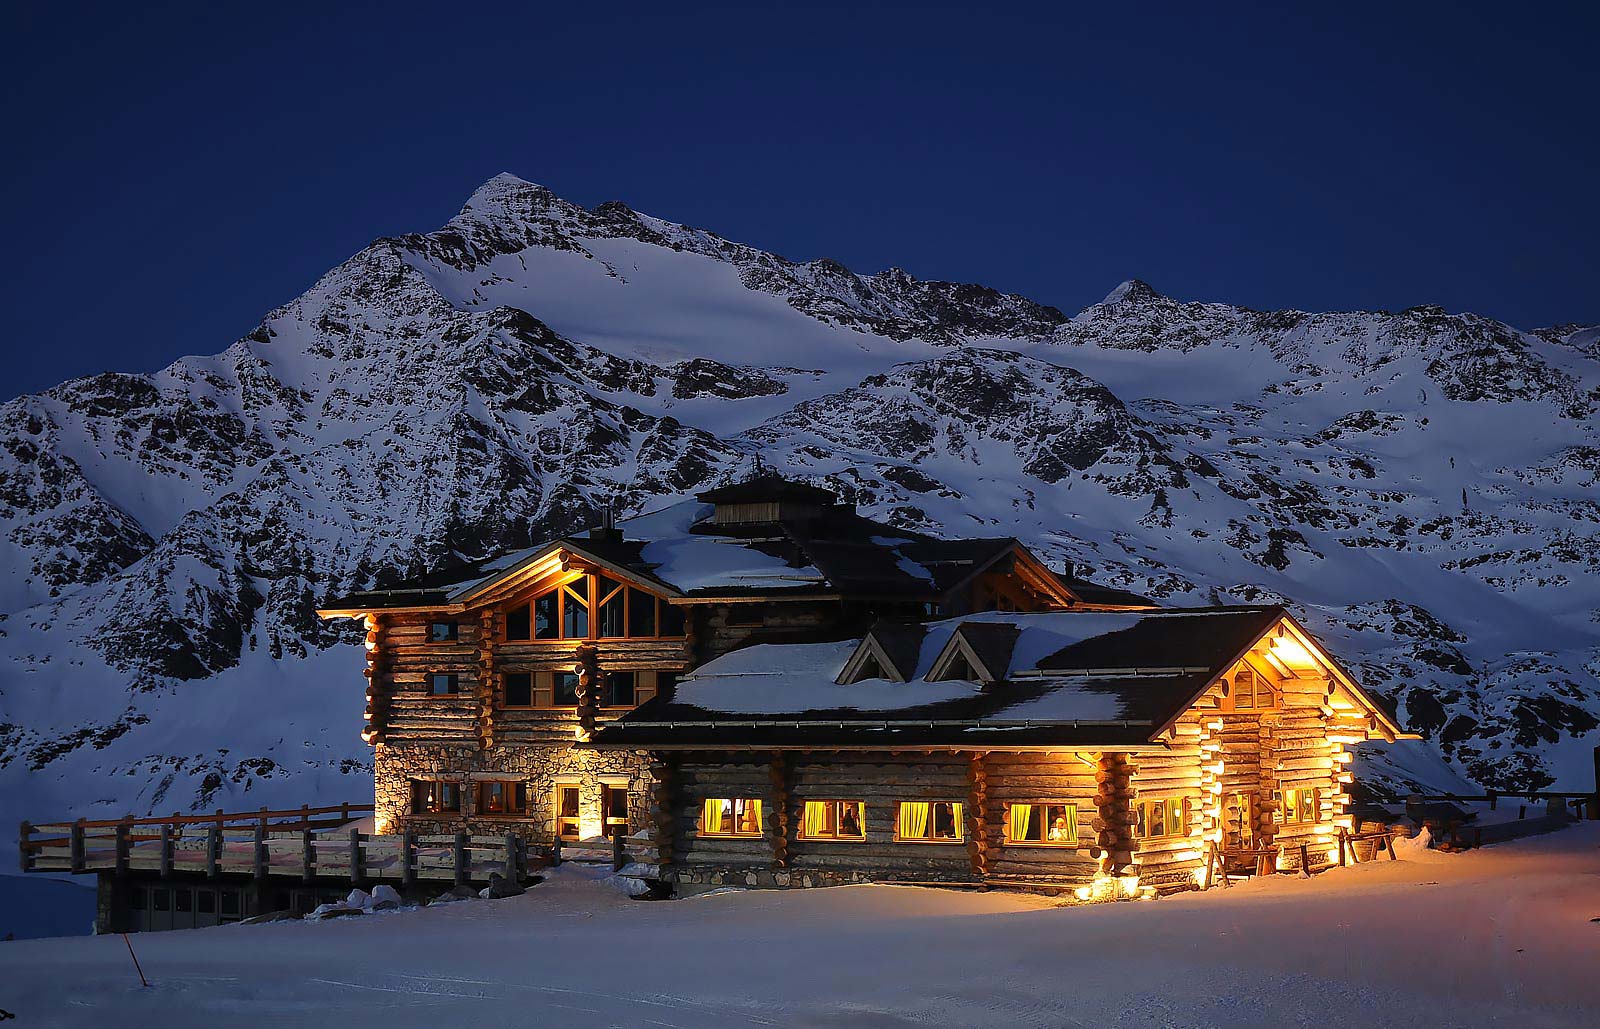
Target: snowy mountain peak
[1133,290]
[1421,485]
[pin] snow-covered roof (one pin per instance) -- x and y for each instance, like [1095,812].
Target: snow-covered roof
[1072,677]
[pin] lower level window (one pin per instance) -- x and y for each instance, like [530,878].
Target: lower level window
[569,824]
[921,821]
[1043,825]
[430,797]
[724,817]
[1157,818]
[833,820]
[1300,806]
[502,798]
[614,802]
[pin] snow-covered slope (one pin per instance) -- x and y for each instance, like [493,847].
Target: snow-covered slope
[1421,485]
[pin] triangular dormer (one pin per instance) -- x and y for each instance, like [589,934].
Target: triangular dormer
[976,652]
[889,651]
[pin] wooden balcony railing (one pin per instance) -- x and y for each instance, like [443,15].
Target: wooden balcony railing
[306,843]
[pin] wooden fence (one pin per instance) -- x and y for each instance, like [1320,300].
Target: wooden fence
[306,843]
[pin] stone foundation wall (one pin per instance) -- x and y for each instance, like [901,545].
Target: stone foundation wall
[540,766]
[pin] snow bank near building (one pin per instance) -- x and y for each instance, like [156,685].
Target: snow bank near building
[1501,935]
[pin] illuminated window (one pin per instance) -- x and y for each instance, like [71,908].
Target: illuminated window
[1154,819]
[834,820]
[1299,806]
[614,802]
[728,817]
[1042,825]
[431,797]
[503,798]
[922,821]
[443,632]
[442,684]
[1249,691]
[567,808]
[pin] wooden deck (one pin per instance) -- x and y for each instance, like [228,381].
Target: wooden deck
[308,844]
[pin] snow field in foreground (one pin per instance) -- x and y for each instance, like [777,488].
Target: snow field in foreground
[1501,935]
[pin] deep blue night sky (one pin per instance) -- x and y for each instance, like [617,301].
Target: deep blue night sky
[174,173]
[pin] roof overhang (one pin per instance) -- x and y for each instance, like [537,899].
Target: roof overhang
[552,558]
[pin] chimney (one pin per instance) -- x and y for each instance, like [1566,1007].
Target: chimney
[606,531]
[1066,569]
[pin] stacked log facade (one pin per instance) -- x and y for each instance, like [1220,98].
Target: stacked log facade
[984,784]
[470,736]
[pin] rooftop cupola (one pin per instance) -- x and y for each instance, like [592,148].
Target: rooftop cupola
[767,498]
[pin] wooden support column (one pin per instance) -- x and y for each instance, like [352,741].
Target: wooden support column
[1114,821]
[490,626]
[779,773]
[122,846]
[408,858]
[308,851]
[355,856]
[459,854]
[586,665]
[978,814]
[76,846]
[213,849]
[24,833]
[377,714]
[663,823]
[261,849]
[166,850]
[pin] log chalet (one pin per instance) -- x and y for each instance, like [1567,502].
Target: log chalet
[763,688]
[485,682]
[1078,750]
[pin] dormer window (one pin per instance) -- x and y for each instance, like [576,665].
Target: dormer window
[958,667]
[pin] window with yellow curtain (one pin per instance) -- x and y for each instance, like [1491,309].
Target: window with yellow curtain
[922,821]
[721,816]
[834,820]
[1168,816]
[1042,825]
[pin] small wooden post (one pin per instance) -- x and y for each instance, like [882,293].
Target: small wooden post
[24,833]
[408,858]
[261,848]
[344,812]
[308,854]
[619,856]
[214,850]
[122,847]
[511,857]
[1494,799]
[305,816]
[1594,805]
[1341,848]
[463,871]
[75,846]
[355,856]
[166,850]
[1305,861]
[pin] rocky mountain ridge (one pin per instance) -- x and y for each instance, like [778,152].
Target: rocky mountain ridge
[1421,485]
